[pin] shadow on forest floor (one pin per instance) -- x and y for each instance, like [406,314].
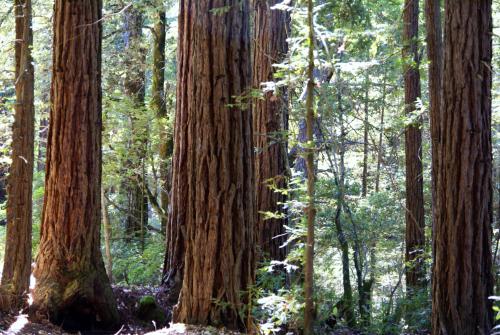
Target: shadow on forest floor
[128,301]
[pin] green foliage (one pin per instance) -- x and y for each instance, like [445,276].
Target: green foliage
[135,267]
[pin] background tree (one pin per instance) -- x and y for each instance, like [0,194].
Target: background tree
[311,180]
[17,264]
[415,220]
[213,182]
[158,103]
[72,288]
[462,273]
[135,90]
[434,39]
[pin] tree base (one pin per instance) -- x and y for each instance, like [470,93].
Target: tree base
[86,305]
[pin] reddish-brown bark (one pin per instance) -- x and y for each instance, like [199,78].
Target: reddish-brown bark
[17,260]
[211,240]
[72,288]
[271,27]
[434,40]
[415,219]
[462,272]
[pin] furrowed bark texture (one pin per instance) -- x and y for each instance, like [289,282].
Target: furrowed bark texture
[17,260]
[415,219]
[213,217]
[434,40]
[72,288]
[462,276]
[271,29]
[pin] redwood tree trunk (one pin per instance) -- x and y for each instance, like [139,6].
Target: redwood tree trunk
[462,274]
[271,27]
[17,261]
[415,220]
[212,220]
[72,288]
[434,40]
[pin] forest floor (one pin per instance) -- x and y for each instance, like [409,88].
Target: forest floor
[128,302]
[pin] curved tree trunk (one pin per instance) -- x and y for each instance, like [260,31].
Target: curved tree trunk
[213,184]
[462,274]
[17,261]
[271,28]
[72,288]
[415,218]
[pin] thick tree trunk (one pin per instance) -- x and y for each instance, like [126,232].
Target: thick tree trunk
[72,288]
[462,273]
[17,261]
[415,219]
[135,90]
[271,28]
[212,238]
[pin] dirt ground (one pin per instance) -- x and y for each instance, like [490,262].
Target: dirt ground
[127,300]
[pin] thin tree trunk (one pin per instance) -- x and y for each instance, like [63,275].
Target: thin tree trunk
[17,261]
[43,130]
[462,273]
[108,235]
[364,178]
[347,298]
[271,28]
[434,40]
[212,240]
[158,103]
[415,219]
[380,153]
[135,90]
[311,180]
[72,288]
